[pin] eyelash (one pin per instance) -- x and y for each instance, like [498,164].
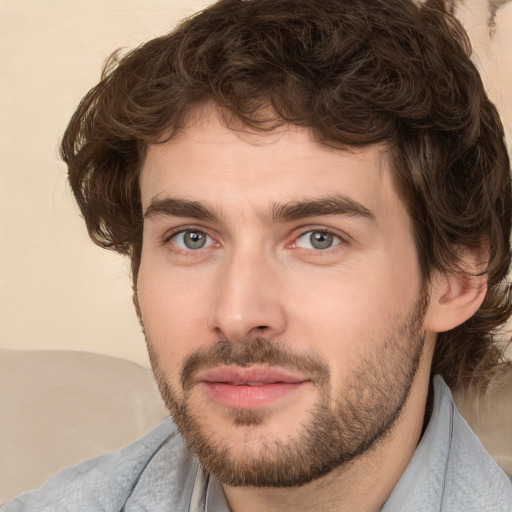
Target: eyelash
[342,240]
[189,229]
[317,252]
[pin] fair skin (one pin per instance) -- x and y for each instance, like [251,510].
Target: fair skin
[275,236]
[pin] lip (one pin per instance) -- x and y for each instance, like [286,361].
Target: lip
[249,388]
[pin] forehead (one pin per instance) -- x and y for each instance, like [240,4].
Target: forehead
[228,166]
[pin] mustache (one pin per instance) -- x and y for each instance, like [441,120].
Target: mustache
[254,351]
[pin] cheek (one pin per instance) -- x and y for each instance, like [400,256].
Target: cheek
[344,316]
[354,299]
[172,313]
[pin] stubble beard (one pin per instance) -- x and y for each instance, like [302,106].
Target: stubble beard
[340,426]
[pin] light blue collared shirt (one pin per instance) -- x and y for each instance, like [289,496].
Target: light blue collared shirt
[450,471]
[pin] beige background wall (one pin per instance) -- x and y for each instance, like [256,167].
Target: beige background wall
[57,290]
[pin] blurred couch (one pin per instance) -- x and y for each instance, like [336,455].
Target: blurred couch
[61,407]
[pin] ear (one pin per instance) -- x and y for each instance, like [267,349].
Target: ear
[455,296]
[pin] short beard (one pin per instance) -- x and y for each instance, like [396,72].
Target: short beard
[342,425]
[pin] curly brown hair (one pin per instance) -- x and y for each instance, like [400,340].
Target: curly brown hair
[356,72]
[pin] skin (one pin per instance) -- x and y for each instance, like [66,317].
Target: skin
[259,276]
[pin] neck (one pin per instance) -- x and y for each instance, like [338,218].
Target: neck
[362,485]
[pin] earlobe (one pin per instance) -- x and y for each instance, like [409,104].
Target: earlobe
[455,297]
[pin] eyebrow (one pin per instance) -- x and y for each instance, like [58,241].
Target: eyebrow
[334,204]
[179,208]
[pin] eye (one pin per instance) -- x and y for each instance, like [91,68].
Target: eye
[191,240]
[318,240]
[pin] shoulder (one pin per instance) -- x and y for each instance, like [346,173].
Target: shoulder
[473,481]
[106,482]
[450,470]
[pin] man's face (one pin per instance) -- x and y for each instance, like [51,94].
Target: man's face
[281,298]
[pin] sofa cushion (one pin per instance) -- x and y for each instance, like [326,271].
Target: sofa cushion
[61,407]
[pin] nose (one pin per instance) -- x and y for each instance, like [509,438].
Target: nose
[249,300]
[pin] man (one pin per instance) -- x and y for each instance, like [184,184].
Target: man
[315,197]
